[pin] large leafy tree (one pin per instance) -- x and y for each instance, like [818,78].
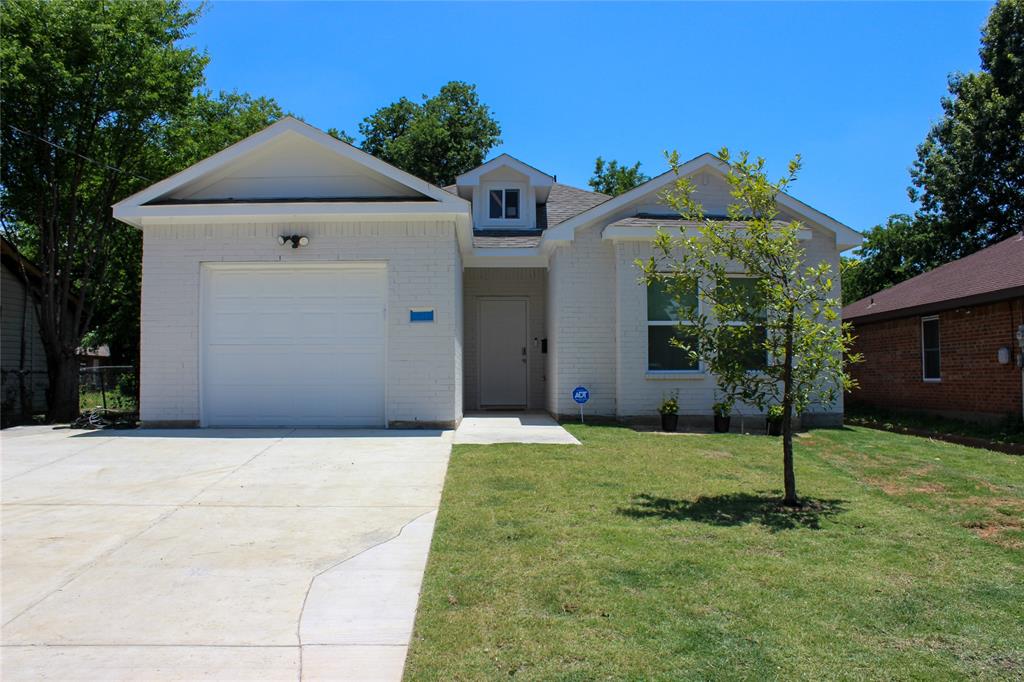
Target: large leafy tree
[613,179]
[900,249]
[969,173]
[437,139]
[206,125]
[85,83]
[783,345]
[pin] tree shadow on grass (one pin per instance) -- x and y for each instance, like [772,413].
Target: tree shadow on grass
[736,509]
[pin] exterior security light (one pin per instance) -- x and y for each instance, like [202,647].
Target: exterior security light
[295,240]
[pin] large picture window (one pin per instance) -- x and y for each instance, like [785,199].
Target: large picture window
[663,325]
[931,362]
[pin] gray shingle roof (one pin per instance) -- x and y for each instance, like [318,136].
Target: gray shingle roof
[566,201]
[482,240]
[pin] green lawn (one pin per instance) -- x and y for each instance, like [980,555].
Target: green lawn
[642,556]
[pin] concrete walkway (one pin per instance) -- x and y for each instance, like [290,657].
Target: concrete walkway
[217,554]
[512,427]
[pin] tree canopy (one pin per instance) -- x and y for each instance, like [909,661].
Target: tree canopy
[437,139]
[969,173]
[85,85]
[613,179]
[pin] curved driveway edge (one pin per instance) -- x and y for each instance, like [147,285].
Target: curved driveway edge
[214,554]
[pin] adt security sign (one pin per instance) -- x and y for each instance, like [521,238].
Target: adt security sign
[581,395]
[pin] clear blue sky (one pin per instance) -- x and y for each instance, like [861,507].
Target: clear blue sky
[852,87]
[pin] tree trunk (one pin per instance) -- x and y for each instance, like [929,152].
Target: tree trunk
[790,499]
[63,376]
[789,478]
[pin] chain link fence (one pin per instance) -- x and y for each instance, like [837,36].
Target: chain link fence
[108,387]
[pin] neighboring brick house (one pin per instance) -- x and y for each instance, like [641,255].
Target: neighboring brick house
[946,342]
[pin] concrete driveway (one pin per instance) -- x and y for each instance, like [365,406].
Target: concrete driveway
[218,554]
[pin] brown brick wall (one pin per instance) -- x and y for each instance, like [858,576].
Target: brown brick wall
[973,384]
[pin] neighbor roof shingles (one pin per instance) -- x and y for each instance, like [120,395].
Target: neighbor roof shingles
[990,274]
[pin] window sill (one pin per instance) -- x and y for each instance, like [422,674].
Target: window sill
[932,381]
[680,375]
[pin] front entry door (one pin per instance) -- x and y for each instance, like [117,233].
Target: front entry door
[503,352]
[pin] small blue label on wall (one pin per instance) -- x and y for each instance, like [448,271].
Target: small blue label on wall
[421,315]
[580,394]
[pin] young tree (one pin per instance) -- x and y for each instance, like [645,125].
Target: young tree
[773,338]
[438,140]
[84,86]
[612,179]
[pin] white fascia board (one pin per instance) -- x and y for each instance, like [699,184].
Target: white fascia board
[286,125]
[646,234]
[505,258]
[846,237]
[537,177]
[565,231]
[136,215]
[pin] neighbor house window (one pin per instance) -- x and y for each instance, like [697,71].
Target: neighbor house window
[930,354]
[504,204]
[663,325]
[745,342]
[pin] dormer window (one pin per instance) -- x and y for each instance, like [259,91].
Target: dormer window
[504,204]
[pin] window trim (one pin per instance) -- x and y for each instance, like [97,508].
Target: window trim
[938,348]
[648,323]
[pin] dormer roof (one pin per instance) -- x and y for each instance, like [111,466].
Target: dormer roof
[540,181]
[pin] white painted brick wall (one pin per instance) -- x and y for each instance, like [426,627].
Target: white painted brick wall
[581,327]
[530,283]
[423,360]
[639,394]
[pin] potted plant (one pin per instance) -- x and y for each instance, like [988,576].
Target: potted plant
[723,409]
[774,420]
[669,410]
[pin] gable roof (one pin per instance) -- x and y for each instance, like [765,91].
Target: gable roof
[992,274]
[396,186]
[846,237]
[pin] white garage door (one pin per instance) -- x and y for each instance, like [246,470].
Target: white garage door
[289,345]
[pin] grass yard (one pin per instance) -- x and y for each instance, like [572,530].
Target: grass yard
[643,556]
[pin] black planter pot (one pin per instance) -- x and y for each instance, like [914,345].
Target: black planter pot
[722,423]
[669,422]
[774,427]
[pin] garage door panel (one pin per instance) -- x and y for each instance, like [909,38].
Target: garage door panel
[294,346]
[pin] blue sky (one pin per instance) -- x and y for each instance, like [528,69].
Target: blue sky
[852,87]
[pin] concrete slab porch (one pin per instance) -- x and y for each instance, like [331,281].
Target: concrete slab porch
[484,428]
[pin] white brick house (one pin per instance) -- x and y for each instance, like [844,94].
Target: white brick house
[293,279]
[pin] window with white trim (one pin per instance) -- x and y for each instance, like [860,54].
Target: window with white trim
[504,204]
[663,325]
[734,335]
[931,361]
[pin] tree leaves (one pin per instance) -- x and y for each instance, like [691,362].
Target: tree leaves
[438,140]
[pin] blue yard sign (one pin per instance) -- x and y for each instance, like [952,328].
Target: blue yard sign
[581,394]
